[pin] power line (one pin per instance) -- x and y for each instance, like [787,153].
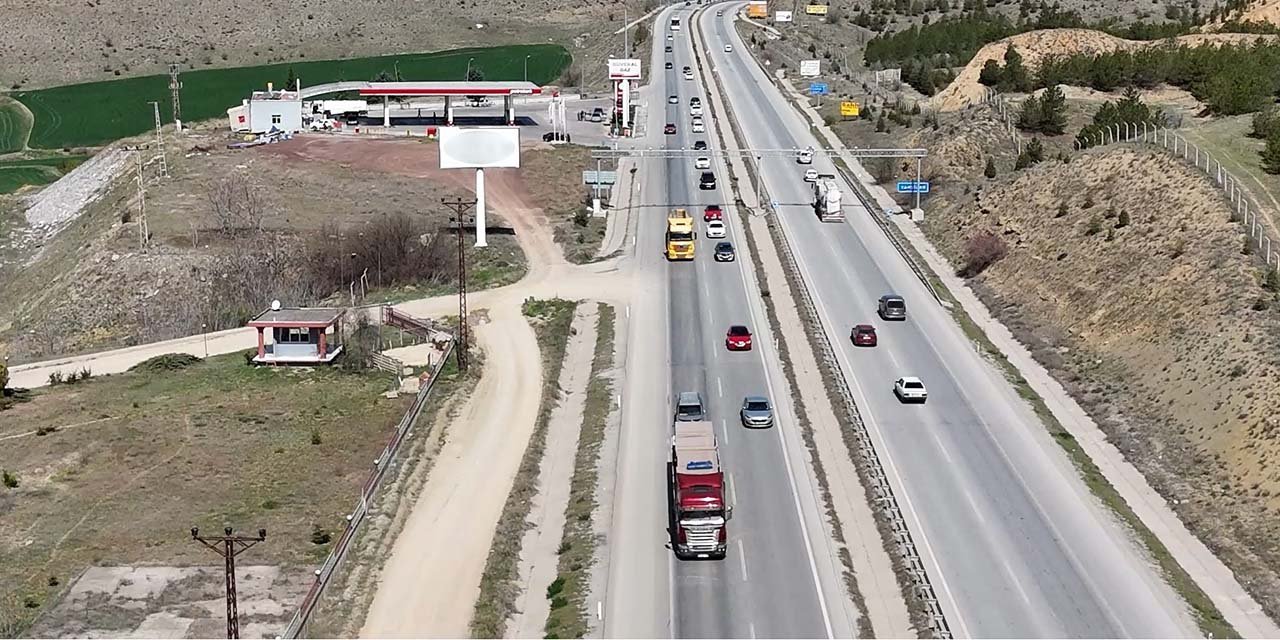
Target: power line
[459,207]
[229,546]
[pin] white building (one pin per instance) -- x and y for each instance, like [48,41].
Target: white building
[264,110]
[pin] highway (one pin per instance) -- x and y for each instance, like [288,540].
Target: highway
[780,578]
[1015,543]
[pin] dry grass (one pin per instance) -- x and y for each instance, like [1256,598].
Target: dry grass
[553,177]
[568,592]
[69,41]
[227,444]
[551,320]
[1153,327]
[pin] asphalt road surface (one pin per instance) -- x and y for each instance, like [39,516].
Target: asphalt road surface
[1016,544]
[769,585]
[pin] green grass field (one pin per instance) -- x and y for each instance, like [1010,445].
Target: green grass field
[13,127]
[15,174]
[98,112]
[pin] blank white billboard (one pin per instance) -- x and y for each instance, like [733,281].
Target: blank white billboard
[782,16]
[479,147]
[810,68]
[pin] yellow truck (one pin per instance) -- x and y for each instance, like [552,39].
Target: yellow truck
[679,240]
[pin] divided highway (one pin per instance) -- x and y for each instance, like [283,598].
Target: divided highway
[772,582]
[1015,543]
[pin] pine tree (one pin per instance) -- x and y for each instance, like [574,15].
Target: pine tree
[990,74]
[292,80]
[1031,118]
[1053,111]
[1271,153]
[1035,150]
[990,170]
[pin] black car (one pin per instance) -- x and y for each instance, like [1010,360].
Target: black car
[707,182]
[700,145]
[724,252]
[668,64]
[668,49]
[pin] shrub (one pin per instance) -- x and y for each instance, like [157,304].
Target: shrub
[1272,281]
[169,362]
[1062,210]
[555,587]
[1095,226]
[981,251]
[315,436]
[10,480]
[4,376]
[990,170]
[319,536]
[1123,220]
[56,378]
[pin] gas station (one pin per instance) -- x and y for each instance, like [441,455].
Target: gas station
[451,91]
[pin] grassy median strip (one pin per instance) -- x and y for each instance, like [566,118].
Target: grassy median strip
[568,593]
[551,320]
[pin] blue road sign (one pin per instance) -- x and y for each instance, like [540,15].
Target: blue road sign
[818,88]
[913,186]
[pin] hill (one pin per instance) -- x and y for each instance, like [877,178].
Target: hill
[1036,46]
[1125,277]
[72,41]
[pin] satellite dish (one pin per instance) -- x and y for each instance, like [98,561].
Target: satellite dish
[275,305]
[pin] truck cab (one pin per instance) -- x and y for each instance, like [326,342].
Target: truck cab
[697,493]
[679,241]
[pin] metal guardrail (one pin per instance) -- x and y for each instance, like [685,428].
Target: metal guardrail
[886,501]
[367,494]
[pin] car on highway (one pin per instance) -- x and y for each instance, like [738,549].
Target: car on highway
[668,65]
[892,307]
[700,145]
[863,335]
[669,129]
[719,14]
[673,99]
[756,412]
[668,50]
[910,389]
[803,156]
[728,48]
[695,101]
[712,212]
[707,181]
[689,407]
[688,75]
[670,37]
[810,175]
[716,229]
[702,162]
[695,110]
[738,338]
[724,252]
[698,127]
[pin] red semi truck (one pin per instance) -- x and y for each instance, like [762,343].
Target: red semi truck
[697,492]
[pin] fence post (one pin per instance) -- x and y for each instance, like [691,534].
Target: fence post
[1166,137]
[1219,165]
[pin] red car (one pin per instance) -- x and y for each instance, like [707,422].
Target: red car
[670,129]
[738,338]
[712,212]
[863,335]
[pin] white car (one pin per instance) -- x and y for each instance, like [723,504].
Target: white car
[673,99]
[702,163]
[670,37]
[907,388]
[698,127]
[715,229]
[696,110]
[728,48]
[810,175]
[804,156]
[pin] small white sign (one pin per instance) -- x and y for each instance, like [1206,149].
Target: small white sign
[782,16]
[624,69]
[810,68]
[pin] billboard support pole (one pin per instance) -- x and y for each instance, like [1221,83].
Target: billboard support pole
[917,183]
[480,221]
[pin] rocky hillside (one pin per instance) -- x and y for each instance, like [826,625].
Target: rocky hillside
[1128,280]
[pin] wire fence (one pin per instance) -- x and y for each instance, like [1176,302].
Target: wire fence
[384,461]
[1243,208]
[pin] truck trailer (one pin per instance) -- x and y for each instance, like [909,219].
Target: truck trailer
[826,199]
[697,493]
[678,244]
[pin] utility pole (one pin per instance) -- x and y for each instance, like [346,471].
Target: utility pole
[460,207]
[143,232]
[229,546]
[164,163]
[174,86]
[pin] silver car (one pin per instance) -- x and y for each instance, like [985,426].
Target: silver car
[757,412]
[689,407]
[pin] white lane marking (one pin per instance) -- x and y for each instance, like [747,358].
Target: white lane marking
[742,559]
[724,428]
[719,387]
[751,629]
[733,489]
[628,311]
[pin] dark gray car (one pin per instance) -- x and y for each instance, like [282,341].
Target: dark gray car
[689,407]
[892,307]
[724,252]
[757,412]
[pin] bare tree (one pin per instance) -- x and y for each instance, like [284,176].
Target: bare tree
[236,206]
